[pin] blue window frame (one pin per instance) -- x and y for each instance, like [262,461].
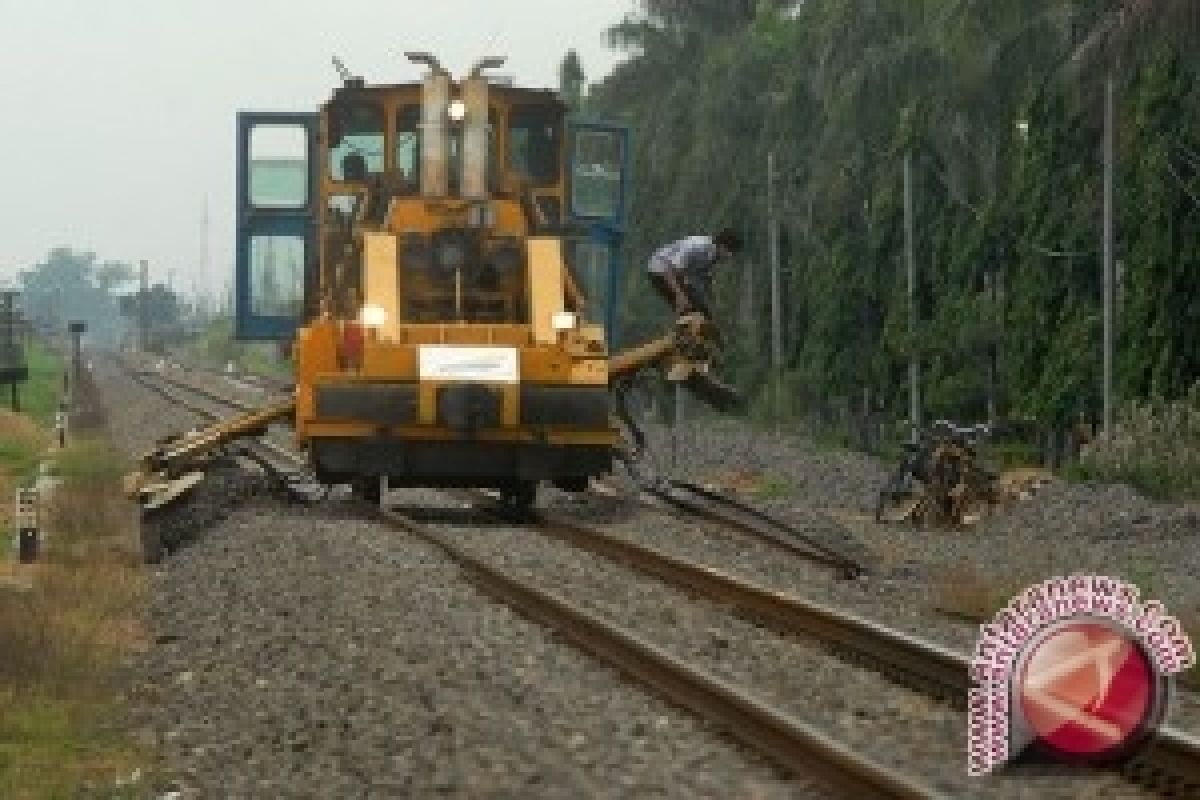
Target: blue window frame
[276,255]
[597,185]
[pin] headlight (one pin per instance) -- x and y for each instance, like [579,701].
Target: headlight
[457,110]
[564,320]
[372,316]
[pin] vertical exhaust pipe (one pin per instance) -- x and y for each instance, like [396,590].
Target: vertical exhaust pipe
[475,139]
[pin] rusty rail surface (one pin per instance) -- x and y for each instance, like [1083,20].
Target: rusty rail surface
[1170,762]
[696,501]
[801,749]
[284,464]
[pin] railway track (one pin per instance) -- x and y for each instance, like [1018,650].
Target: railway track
[1170,764]
[692,499]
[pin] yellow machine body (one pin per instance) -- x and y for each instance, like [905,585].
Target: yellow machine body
[446,340]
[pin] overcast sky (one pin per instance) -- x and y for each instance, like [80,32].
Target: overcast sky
[118,115]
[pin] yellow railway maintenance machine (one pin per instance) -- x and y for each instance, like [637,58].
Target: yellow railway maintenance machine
[442,254]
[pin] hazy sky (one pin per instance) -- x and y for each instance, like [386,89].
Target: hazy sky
[118,115]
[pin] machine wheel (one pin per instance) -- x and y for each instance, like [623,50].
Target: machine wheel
[368,488]
[519,495]
[574,485]
[899,497]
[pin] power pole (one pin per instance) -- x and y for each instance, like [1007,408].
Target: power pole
[914,375]
[143,310]
[677,427]
[1109,277]
[203,279]
[776,312]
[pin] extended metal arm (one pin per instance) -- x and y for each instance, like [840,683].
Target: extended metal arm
[687,354]
[179,455]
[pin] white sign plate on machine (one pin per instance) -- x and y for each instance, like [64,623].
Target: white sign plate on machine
[471,364]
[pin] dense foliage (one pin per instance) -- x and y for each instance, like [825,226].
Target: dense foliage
[999,106]
[73,285]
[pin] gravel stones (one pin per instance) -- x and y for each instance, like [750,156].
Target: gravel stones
[1064,528]
[311,652]
[320,654]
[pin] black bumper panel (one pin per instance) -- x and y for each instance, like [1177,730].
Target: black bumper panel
[577,406]
[442,463]
[380,403]
[469,407]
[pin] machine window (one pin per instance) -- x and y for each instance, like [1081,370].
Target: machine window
[408,143]
[534,144]
[276,275]
[278,166]
[596,174]
[356,142]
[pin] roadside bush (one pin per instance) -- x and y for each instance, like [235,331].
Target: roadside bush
[1155,448]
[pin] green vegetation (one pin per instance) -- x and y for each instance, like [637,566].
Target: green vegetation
[22,436]
[999,108]
[1156,448]
[215,345]
[40,395]
[770,487]
[65,638]
[73,285]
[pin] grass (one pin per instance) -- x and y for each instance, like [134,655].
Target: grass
[44,757]
[65,638]
[217,346]
[40,394]
[771,487]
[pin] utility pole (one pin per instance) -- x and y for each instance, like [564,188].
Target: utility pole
[914,375]
[677,427]
[143,311]
[1109,277]
[776,311]
[203,279]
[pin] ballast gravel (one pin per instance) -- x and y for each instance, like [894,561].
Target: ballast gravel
[917,578]
[892,725]
[313,652]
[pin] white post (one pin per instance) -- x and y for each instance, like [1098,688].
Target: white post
[1109,278]
[776,310]
[914,376]
[677,427]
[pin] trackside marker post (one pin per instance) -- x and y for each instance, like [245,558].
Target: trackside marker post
[27,533]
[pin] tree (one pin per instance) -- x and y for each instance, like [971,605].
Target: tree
[70,285]
[571,80]
[1007,216]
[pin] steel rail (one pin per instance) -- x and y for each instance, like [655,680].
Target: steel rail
[797,747]
[284,464]
[1169,762]
[724,511]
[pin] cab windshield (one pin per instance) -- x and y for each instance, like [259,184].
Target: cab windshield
[534,144]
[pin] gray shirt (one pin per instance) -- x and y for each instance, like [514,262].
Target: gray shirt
[693,256]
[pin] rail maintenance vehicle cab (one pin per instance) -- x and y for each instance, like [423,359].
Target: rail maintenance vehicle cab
[441,258]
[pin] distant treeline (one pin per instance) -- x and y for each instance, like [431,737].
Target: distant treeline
[999,105]
[74,285]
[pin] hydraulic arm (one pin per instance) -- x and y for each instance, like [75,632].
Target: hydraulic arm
[172,467]
[686,353]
